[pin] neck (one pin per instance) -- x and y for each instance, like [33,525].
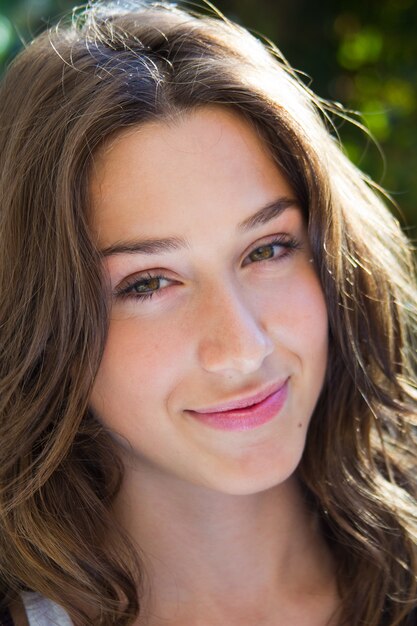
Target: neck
[205,548]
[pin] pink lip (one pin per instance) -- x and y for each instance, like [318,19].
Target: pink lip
[246,413]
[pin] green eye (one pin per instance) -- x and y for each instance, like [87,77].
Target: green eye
[146,286]
[262,253]
[143,288]
[281,247]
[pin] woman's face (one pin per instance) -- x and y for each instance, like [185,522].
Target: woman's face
[226,306]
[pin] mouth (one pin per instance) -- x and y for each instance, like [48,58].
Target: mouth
[245,413]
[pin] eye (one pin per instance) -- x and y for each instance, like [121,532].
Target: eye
[263,253]
[142,288]
[277,249]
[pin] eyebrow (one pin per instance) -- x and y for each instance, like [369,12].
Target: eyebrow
[168,244]
[267,213]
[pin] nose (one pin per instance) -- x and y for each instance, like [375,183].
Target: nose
[232,338]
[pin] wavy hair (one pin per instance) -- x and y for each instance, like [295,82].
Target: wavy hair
[75,86]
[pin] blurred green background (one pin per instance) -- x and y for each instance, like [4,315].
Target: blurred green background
[362,53]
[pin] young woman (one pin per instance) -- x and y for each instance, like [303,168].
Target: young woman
[208,341]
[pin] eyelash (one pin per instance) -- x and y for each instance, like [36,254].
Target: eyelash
[289,244]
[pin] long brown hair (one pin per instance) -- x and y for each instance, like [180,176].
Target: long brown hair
[66,94]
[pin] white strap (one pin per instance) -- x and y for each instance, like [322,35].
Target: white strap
[43,612]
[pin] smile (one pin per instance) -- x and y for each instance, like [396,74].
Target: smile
[245,417]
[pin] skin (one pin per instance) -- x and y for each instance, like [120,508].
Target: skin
[219,516]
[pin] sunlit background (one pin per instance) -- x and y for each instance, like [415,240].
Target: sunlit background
[362,53]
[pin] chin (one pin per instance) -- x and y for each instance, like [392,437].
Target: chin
[239,484]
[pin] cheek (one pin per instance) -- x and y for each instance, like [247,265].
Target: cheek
[297,316]
[139,364]
[312,318]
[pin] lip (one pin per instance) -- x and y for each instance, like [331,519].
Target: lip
[245,413]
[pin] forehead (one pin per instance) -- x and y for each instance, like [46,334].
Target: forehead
[203,162]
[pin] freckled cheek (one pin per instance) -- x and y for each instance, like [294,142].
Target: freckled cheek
[140,360]
[296,315]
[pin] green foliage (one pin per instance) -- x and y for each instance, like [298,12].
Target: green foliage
[360,48]
[362,54]
[6,34]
